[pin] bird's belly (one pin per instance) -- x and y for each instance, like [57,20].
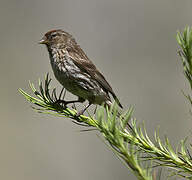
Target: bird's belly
[64,77]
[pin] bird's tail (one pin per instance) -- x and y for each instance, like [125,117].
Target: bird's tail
[117,100]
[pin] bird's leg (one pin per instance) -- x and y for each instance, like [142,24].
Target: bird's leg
[59,101]
[95,109]
[83,110]
[74,107]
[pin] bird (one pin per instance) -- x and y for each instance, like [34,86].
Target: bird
[76,72]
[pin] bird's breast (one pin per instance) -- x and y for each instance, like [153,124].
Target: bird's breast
[64,68]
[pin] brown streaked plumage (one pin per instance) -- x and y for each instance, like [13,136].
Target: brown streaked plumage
[75,71]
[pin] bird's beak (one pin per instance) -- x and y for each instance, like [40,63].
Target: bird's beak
[43,41]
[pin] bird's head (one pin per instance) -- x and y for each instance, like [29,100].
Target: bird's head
[57,39]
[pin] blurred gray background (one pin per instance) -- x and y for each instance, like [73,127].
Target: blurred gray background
[132,42]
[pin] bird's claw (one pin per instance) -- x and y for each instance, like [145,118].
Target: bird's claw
[74,107]
[59,101]
[79,113]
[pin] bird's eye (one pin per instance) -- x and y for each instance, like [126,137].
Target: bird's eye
[54,35]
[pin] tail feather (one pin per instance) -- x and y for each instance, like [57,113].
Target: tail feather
[117,100]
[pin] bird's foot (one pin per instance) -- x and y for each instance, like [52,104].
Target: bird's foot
[80,113]
[74,106]
[61,102]
[83,110]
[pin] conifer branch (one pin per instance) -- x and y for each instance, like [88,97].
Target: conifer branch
[132,145]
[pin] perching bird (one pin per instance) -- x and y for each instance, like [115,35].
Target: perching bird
[75,71]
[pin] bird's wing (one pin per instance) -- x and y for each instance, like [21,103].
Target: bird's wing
[85,64]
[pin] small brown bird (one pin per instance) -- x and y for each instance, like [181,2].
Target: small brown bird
[74,70]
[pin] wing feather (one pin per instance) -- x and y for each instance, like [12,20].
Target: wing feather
[84,63]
